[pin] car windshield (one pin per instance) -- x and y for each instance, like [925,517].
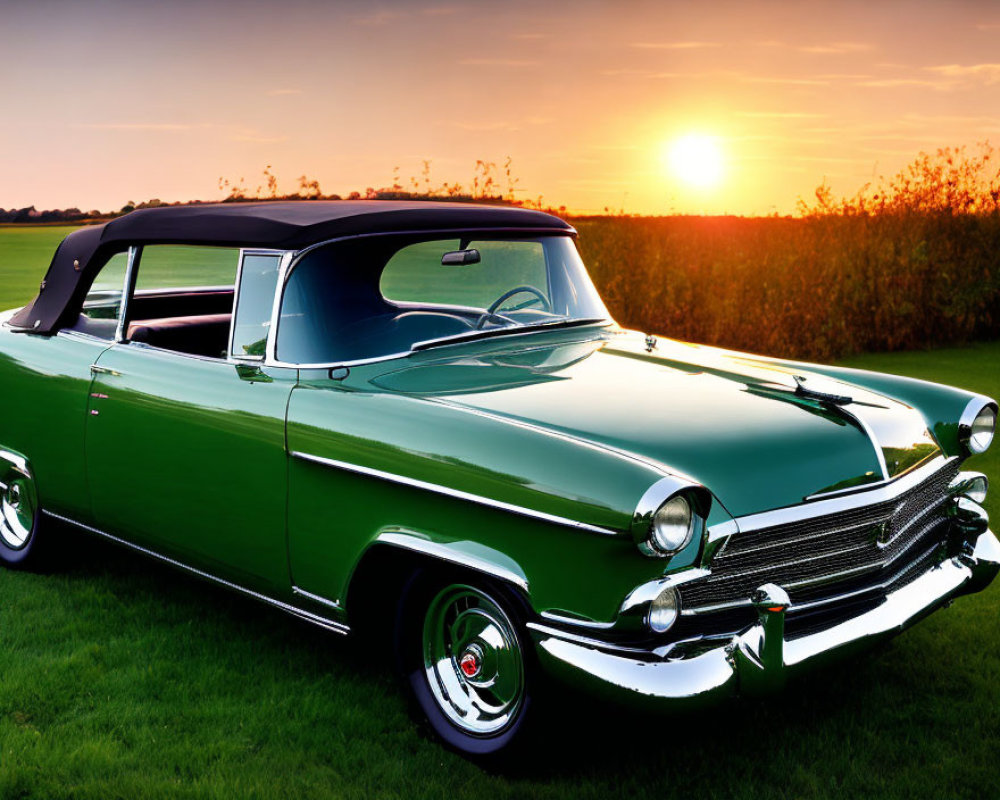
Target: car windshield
[368,298]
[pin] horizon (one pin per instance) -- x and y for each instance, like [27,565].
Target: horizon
[638,107]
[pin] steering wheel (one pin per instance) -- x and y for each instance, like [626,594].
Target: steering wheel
[491,314]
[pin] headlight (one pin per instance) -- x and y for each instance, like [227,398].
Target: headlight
[663,611]
[672,526]
[982,429]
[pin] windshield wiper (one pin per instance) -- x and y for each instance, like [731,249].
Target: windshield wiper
[472,336]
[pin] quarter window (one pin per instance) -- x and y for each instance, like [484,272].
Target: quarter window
[258,279]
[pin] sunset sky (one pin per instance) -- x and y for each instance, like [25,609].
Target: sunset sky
[105,102]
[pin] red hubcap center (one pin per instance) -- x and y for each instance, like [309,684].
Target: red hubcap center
[469,665]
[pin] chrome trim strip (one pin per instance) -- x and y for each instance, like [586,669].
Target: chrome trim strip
[573,622]
[711,609]
[599,644]
[875,587]
[867,429]
[316,598]
[445,553]
[449,492]
[134,256]
[315,619]
[835,505]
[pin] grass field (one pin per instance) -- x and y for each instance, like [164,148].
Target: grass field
[121,679]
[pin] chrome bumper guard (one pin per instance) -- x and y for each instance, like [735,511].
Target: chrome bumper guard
[759,659]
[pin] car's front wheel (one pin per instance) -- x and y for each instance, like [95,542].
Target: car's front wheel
[463,658]
[19,517]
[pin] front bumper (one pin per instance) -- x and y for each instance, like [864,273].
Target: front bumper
[760,659]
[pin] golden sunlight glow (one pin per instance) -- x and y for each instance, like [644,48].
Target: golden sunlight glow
[696,160]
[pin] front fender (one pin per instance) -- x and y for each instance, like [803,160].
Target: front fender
[941,406]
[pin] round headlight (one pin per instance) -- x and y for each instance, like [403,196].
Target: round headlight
[982,429]
[672,525]
[663,611]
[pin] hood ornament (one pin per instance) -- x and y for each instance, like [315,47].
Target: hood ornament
[816,394]
[650,343]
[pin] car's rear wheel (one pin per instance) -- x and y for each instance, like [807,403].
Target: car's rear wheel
[19,517]
[463,658]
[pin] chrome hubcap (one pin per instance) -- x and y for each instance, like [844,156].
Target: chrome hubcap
[17,510]
[473,661]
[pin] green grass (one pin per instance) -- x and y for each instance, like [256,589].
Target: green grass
[25,253]
[122,679]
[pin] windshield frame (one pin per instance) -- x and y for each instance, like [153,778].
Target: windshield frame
[288,267]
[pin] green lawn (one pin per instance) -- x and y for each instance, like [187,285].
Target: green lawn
[121,679]
[25,253]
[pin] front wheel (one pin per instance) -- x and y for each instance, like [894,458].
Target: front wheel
[463,658]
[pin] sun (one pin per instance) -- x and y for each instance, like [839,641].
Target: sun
[695,159]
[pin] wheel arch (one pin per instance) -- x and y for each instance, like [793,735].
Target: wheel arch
[377,579]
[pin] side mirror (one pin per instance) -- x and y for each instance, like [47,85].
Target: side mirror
[459,258]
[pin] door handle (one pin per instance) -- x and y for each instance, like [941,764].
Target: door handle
[98,370]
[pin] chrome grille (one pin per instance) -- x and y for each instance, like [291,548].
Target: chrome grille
[827,555]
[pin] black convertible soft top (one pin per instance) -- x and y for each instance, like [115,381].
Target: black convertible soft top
[281,226]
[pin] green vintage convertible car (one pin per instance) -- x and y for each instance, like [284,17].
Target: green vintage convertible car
[418,419]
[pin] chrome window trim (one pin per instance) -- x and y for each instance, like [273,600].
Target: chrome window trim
[134,255]
[88,337]
[185,289]
[316,619]
[146,346]
[237,291]
[456,493]
[284,273]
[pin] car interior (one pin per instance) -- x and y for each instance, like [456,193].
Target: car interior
[189,321]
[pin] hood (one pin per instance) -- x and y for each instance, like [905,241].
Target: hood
[759,435]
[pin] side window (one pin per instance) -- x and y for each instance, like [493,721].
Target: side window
[258,280]
[182,267]
[102,305]
[183,299]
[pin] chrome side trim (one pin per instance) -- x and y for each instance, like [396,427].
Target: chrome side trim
[457,493]
[315,619]
[445,553]
[316,598]
[835,505]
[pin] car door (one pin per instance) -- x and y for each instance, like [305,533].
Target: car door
[186,451]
